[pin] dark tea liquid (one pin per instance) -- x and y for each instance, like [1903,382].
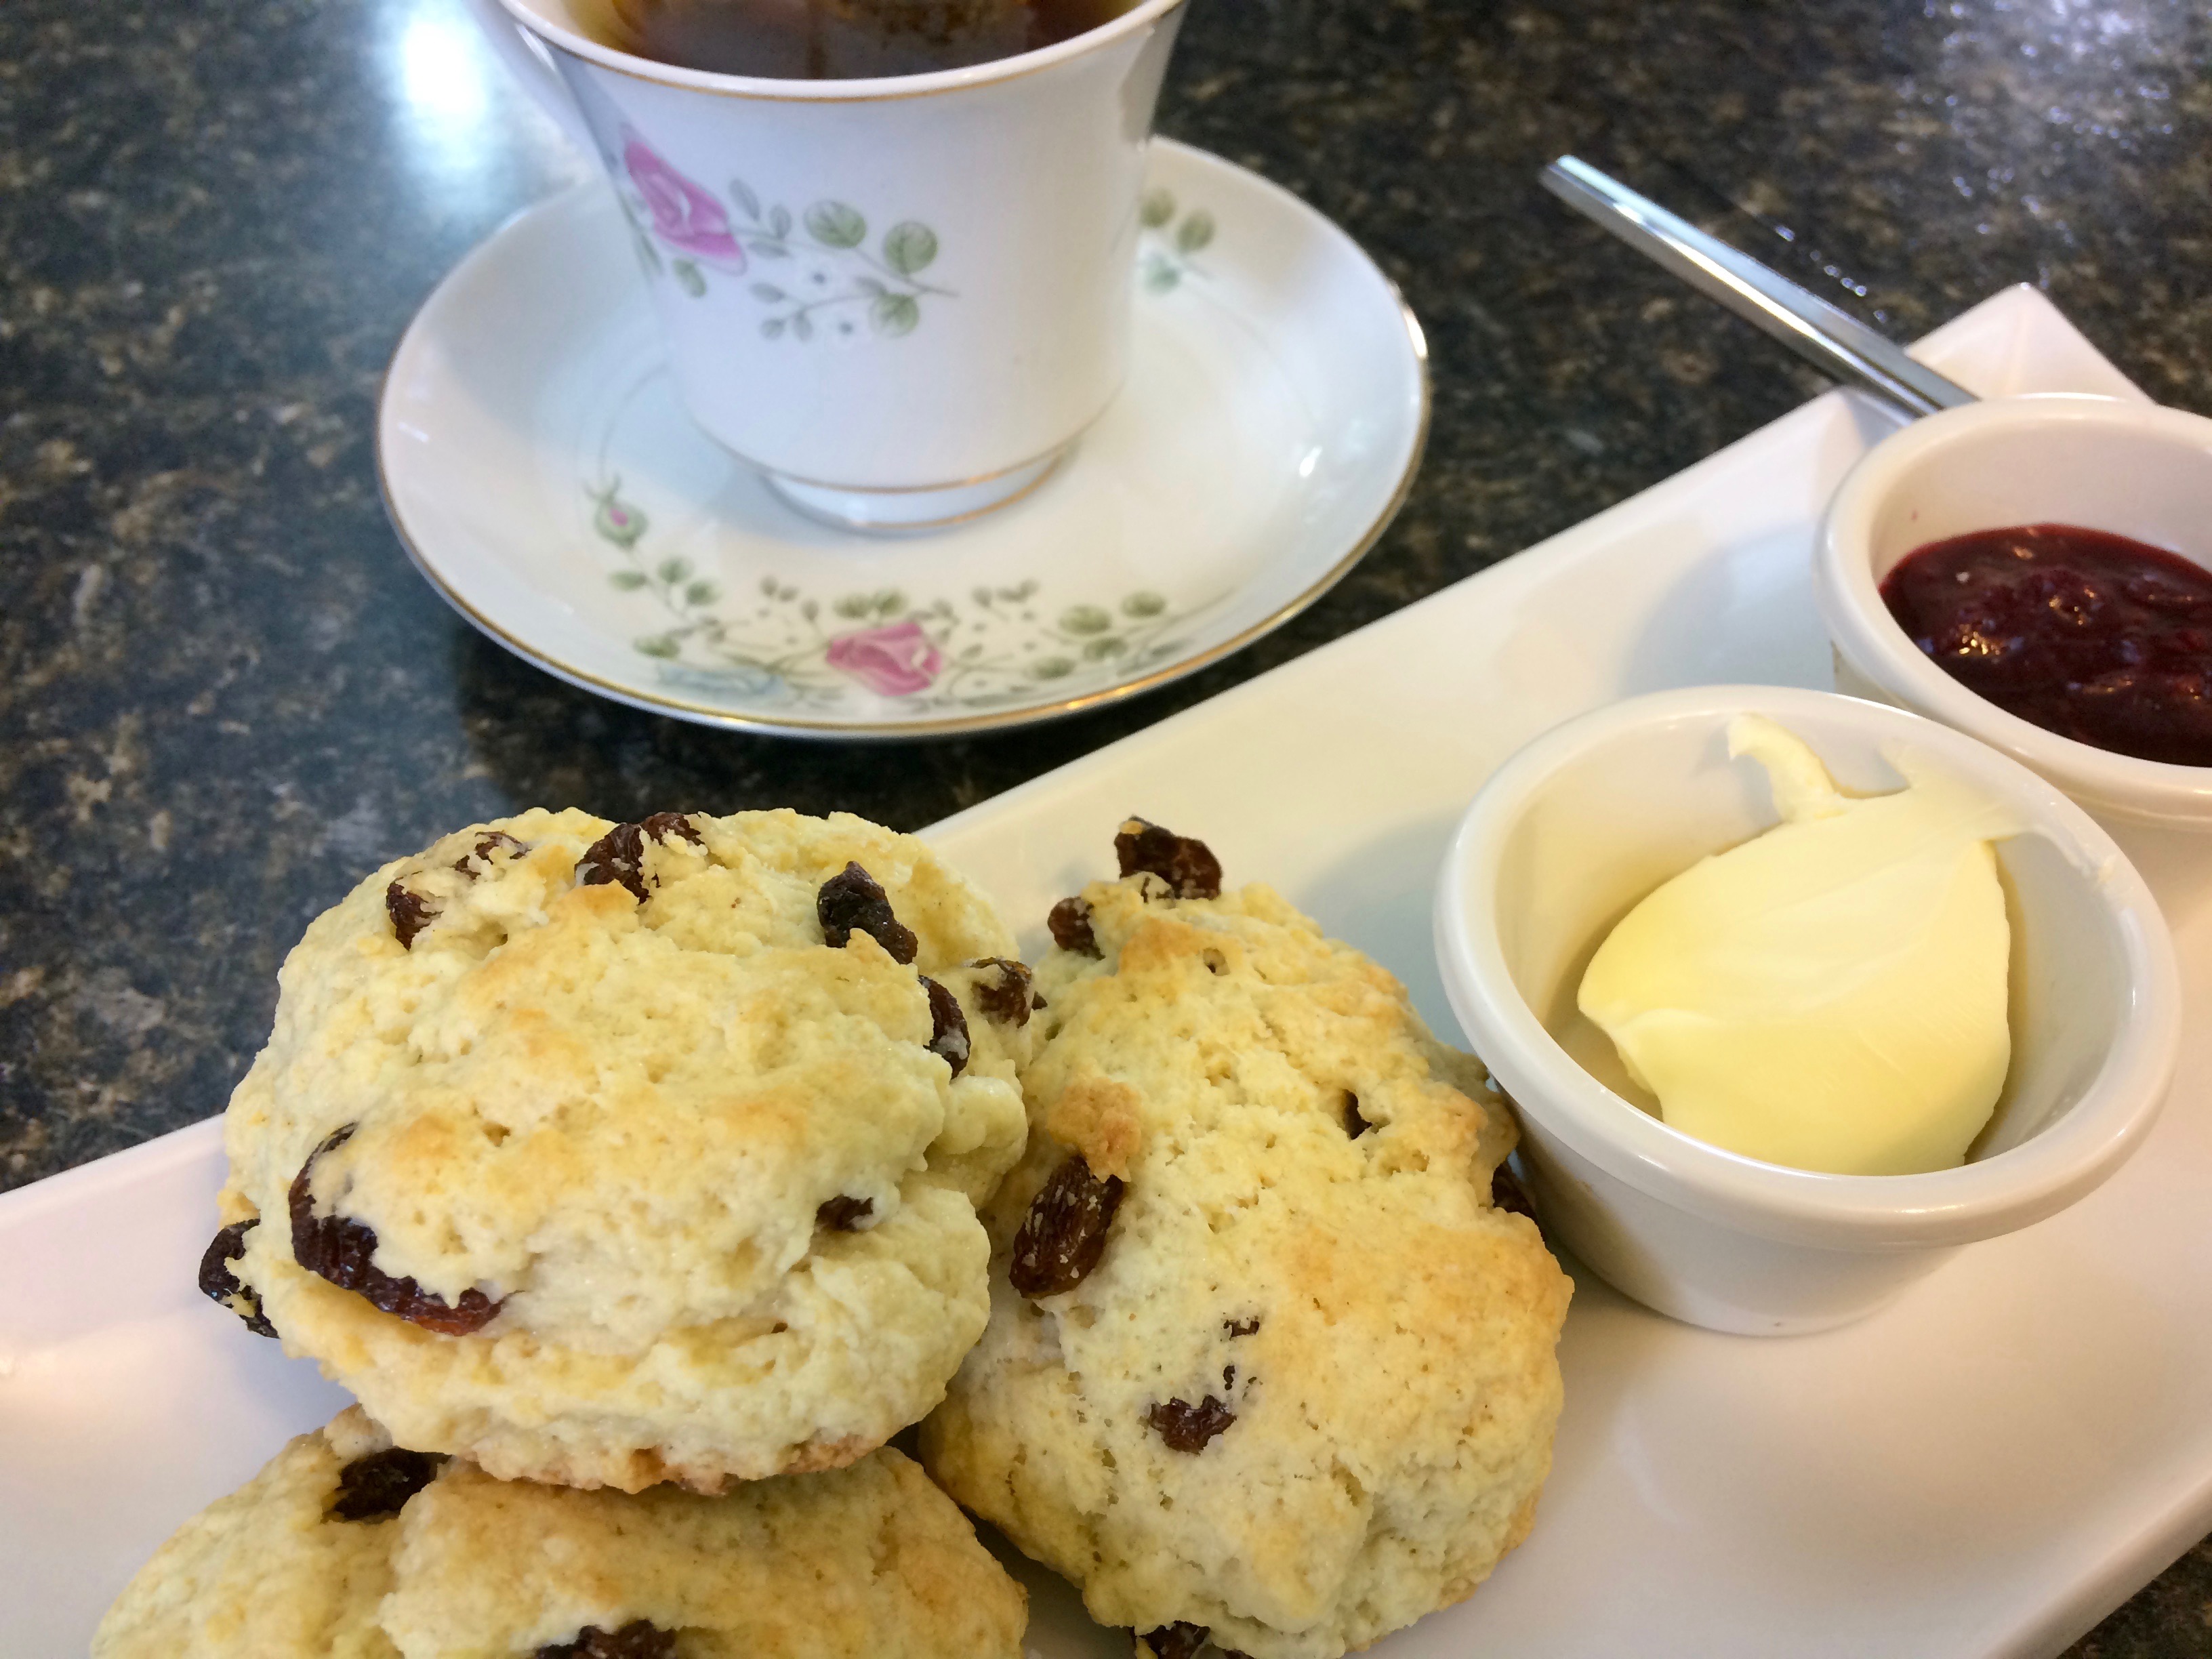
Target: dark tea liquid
[841,40]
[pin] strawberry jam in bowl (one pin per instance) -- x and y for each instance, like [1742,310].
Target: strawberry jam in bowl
[2095,636]
[2037,572]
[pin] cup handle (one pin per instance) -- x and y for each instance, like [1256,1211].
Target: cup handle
[526,60]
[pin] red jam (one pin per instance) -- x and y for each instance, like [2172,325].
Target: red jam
[2093,636]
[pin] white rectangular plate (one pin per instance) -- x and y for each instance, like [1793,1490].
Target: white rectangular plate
[1984,1469]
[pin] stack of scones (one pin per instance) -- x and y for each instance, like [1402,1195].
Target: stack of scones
[642,1181]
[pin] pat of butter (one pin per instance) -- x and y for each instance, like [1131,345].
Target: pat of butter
[1830,994]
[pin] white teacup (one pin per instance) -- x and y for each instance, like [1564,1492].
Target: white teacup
[903,299]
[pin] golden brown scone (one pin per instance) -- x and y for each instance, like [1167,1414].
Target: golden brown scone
[609,1166]
[869,1562]
[344,1547]
[1307,1392]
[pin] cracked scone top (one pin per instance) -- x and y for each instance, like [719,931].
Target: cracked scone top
[612,1154]
[343,1548]
[1264,1361]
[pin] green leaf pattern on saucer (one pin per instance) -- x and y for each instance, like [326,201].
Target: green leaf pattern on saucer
[1171,244]
[990,647]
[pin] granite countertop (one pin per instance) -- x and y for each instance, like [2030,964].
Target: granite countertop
[225,696]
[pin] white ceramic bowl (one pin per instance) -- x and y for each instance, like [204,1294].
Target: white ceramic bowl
[2131,469]
[1579,826]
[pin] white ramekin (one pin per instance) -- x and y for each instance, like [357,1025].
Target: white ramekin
[2131,469]
[1583,822]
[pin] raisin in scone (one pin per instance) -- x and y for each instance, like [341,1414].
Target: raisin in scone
[612,1154]
[1265,1359]
[344,1546]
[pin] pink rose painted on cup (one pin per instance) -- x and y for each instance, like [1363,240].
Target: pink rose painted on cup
[684,215]
[895,661]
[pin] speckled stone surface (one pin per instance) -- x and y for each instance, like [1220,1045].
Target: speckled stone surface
[224,695]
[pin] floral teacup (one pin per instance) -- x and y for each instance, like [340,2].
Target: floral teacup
[902,300]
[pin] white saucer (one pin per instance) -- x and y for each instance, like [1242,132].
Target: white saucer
[537,466]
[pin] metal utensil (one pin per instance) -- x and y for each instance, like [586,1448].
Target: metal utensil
[1832,341]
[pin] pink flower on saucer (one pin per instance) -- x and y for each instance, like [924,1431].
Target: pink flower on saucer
[684,215]
[895,661]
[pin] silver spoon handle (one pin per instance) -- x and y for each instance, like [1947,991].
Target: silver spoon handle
[1832,341]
